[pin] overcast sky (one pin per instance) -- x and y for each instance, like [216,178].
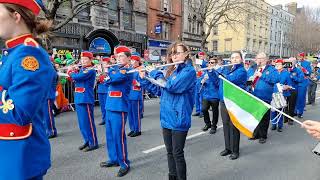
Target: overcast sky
[311,3]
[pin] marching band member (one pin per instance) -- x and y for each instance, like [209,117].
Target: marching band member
[210,86]
[297,77]
[305,66]
[25,69]
[237,75]
[263,81]
[285,80]
[135,99]
[198,96]
[176,87]
[314,78]
[102,89]
[117,110]
[84,100]
[198,92]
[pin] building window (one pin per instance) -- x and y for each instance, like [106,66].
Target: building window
[215,30]
[198,27]
[190,25]
[215,45]
[194,24]
[228,44]
[165,30]
[166,5]
[127,14]
[113,13]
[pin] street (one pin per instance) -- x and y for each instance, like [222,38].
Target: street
[285,156]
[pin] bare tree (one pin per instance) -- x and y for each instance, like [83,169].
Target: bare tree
[215,12]
[306,31]
[74,8]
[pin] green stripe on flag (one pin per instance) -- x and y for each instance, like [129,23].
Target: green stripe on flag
[244,101]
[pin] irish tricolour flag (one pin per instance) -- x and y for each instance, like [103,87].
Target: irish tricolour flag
[245,110]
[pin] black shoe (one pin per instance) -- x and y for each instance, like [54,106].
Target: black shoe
[252,139]
[279,130]
[225,152]
[234,156]
[52,136]
[135,134]
[290,122]
[262,140]
[123,172]
[273,128]
[196,114]
[201,116]
[206,127]
[87,149]
[300,116]
[308,103]
[130,133]
[108,164]
[171,177]
[102,123]
[83,146]
[213,131]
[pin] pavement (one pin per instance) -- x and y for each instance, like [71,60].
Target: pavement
[285,156]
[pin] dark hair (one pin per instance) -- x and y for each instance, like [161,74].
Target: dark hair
[128,54]
[35,25]
[172,49]
[238,52]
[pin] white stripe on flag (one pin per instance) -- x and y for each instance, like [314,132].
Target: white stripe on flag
[245,119]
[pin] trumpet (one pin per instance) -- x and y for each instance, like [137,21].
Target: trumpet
[156,67]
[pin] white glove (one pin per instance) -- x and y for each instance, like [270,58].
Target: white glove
[150,68]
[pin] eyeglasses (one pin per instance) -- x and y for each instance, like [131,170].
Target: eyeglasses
[212,62]
[176,53]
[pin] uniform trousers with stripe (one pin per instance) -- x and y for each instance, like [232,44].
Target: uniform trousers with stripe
[134,115]
[301,99]
[102,101]
[116,138]
[49,119]
[86,123]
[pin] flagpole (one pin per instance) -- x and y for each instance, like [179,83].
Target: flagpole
[266,104]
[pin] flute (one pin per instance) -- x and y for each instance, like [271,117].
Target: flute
[209,68]
[156,67]
[94,67]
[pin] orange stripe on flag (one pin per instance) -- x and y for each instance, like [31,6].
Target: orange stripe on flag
[239,126]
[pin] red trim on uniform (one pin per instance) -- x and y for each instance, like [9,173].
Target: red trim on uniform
[17,40]
[136,88]
[79,89]
[122,141]
[91,125]
[50,111]
[115,94]
[15,132]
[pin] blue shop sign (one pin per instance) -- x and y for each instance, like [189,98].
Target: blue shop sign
[158,29]
[100,45]
[159,44]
